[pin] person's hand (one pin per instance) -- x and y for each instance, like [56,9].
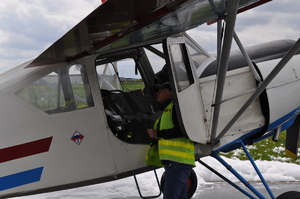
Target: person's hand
[152,133]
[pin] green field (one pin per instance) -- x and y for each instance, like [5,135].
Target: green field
[264,150]
[133,85]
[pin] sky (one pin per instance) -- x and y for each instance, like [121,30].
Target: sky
[273,171]
[28,27]
[278,19]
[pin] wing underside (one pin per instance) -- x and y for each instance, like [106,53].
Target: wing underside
[131,23]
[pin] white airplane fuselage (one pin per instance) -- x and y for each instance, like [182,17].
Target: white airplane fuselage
[63,161]
[45,151]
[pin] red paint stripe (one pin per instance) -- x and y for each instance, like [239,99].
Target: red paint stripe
[24,150]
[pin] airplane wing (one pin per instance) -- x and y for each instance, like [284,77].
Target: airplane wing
[118,24]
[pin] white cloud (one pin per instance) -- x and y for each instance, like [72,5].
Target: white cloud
[205,36]
[272,21]
[28,27]
[262,33]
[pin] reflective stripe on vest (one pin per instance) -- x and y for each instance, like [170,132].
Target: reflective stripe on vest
[176,149]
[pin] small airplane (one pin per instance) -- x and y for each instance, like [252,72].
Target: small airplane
[75,115]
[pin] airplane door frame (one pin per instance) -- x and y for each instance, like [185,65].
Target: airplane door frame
[187,96]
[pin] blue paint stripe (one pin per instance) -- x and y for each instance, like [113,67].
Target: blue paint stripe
[285,118]
[19,179]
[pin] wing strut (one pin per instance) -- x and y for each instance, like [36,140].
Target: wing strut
[220,14]
[246,56]
[293,50]
[223,63]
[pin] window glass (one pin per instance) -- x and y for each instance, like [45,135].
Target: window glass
[119,75]
[63,90]
[197,55]
[157,62]
[80,86]
[124,101]
[107,76]
[180,67]
[44,94]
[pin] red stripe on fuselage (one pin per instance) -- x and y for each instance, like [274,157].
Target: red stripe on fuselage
[24,150]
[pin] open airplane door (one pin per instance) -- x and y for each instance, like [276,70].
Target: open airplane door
[186,90]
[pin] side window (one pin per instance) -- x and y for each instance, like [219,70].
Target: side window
[181,66]
[65,89]
[80,86]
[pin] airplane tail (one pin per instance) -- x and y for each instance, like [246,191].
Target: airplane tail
[292,138]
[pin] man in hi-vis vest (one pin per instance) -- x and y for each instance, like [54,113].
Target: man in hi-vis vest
[173,150]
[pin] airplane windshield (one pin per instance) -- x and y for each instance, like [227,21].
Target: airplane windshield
[127,100]
[198,55]
[119,75]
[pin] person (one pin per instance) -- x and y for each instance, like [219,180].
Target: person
[175,152]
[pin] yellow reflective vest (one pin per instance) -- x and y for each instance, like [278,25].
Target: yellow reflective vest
[176,149]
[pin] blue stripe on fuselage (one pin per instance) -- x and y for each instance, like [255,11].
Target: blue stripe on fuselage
[284,119]
[19,179]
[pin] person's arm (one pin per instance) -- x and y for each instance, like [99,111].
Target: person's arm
[174,132]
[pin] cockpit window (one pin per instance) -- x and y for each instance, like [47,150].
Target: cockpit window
[119,75]
[126,103]
[65,89]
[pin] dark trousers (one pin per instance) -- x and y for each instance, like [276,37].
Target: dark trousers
[176,175]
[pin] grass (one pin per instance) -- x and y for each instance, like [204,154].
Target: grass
[265,150]
[133,85]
